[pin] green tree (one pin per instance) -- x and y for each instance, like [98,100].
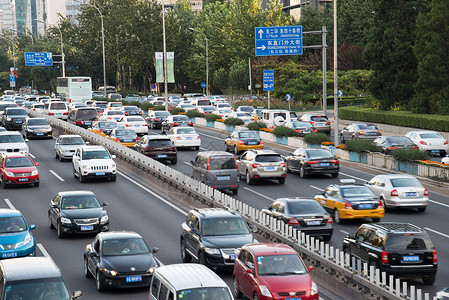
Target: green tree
[355,18]
[432,87]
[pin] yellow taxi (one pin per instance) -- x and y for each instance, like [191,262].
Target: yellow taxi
[124,136]
[242,140]
[348,201]
[103,128]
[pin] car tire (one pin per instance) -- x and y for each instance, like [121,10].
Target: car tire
[249,181]
[74,172]
[61,158]
[81,178]
[334,175]
[236,151]
[36,184]
[174,161]
[342,139]
[226,149]
[337,217]
[4,184]
[114,178]
[59,230]
[186,258]
[384,203]
[255,296]
[281,180]
[56,155]
[374,264]
[197,148]
[99,282]
[235,191]
[429,279]
[327,238]
[422,209]
[376,220]
[302,172]
[201,258]
[87,273]
[235,289]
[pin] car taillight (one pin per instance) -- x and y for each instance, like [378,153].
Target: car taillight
[197,137]
[149,148]
[434,256]
[255,166]
[51,114]
[128,125]
[191,124]
[311,162]
[261,142]
[137,138]
[241,142]
[380,132]
[394,193]
[156,119]
[361,132]
[328,123]
[330,220]
[175,124]
[65,114]
[208,164]
[445,143]
[422,143]
[384,257]
[311,122]
[236,166]
[79,122]
[117,139]
[171,148]
[426,192]
[178,138]
[381,204]
[100,130]
[145,124]
[293,221]
[125,113]
[348,205]
[335,161]
[283,165]
[314,130]
[416,147]
[392,148]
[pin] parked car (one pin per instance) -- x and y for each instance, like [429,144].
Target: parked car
[155,118]
[272,271]
[319,121]
[348,201]
[430,141]
[401,249]
[306,215]
[13,118]
[389,143]
[124,136]
[242,140]
[15,235]
[18,169]
[309,161]
[262,164]
[157,147]
[301,127]
[77,212]
[400,191]
[357,131]
[184,136]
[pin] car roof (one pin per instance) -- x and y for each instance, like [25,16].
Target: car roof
[388,176]
[25,268]
[7,212]
[264,151]
[112,235]
[296,199]
[216,213]
[198,276]
[75,193]
[92,148]
[13,155]
[215,153]
[157,137]
[10,133]
[69,135]
[270,249]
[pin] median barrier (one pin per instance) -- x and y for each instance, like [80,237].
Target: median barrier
[344,275]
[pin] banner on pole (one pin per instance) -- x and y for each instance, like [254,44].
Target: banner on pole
[159,66]
[171,67]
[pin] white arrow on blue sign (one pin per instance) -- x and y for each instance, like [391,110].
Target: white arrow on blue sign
[38,59]
[203,85]
[288,97]
[282,40]
[340,93]
[268,80]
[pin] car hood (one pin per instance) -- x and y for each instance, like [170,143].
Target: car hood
[70,147]
[18,117]
[13,145]
[229,241]
[287,283]
[98,162]
[84,213]
[12,238]
[124,263]
[39,126]
[21,170]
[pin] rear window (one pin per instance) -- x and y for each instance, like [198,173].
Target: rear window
[135,120]
[107,125]
[357,191]
[405,182]
[161,113]
[399,140]
[269,158]
[409,241]
[181,118]
[58,105]
[319,153]
[306,207]
[131,108]
[160,143]
[367,127]
[301,125]
[248,135]
[125,132]
[87,113]
[430,135]
[318,118]
[203,102]
[222,163]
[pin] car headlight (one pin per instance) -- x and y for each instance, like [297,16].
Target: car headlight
[104,220]
[151,270]
[8,119]
[28,239]
[65,221]
[10,174]
[212,250]
[34,172]
[314,289]
[112,166]
[109,272]
[87,167]
[264,291]
[30,129]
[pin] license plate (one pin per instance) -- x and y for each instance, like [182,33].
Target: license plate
[232,257]
[91,227]
[410,194]
[410,258]
[313,223]
[23,179]
[134,278]
[435,151]
[133,112]
[87,123]
[223,177]
[40,133]
[162,156]
[370,133]
[9,254]
[270,168]
[58,114]
[18,122]
[136,125]
[188,138]
[293,298]
[325,164]
[100,173]
[252,143]
[365,206]
[319,124]
[126,140]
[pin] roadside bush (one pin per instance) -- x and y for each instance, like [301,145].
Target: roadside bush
[212,117]
[159,107]
[144,106]
[280,131]
[194,114]
[316,138]
[176,110]
[256,125]
[361,146]
[409,155]
[234,121]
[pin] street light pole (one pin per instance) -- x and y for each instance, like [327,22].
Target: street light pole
[165,59]
[336,130]
[62,48]
[207,58]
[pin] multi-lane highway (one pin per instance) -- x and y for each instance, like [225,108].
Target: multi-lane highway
[134,205]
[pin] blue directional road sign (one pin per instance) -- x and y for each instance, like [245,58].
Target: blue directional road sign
[34,59]
[288,97]
[284,40]
[12,80]
[340,93]
[203,85]
[268,80]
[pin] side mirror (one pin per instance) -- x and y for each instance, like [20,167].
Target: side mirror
[27,140]
[87,143]
[193,231]
[310,268]
[155,250]
[105,204]
[351,235]
[113,156]
[32,226]
[249,271]
[76,294]
[367,182]
[55,206]
[36,164]
[254,228]
[191,162]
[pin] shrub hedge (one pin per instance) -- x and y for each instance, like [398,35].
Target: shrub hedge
[234,121]
[194,114]
[362,146]
[212,117]
[397,118]
[284,131]
[409,155]
[176,110]
[316,138]
[256,125]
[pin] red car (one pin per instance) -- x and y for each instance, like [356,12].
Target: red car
[272,271]
[18,169]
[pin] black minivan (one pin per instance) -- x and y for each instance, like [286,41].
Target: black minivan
[84,116]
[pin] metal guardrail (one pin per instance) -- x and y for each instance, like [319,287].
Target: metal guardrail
[342,272]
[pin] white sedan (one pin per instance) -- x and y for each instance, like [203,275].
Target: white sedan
[430,141]
[136,123]
[222,112]
[244,116]
[186,107]
[184,136]
[113,115]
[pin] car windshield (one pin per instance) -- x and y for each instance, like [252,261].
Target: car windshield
[18,162]
[319,153]
[13,138]
[107,125]
[12,224]
[224,226]
[16,112]
[268,158]
[96,154]
[430,135]
[76,140]
[304,207]
[130,246]
[278,265]
[357,191]
[37,122]
[248,135]
[79,202]
[405,182]
[160,143]
[318,118]
[222,163]
[125,132]
[45,288]
[188,130]
[206,293]
[408,241]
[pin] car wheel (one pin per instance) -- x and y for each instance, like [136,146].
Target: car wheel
[114,178]
[74,172]
[4,184]
[353,138]
[337,217]
[384,203]
[151,126]
[429,279]
[81,178]
[50,223]
[56,155]
[255,296]
[226,147]
[248,179]
[236,151]
[374,264]
[235,191]
[235,289]
[422,209]
[281,180]
[302,172]
[61,158]
[86,269]
[201,258]
[376,220]
[184,255]
[342,139]
[327,238]
[99,282]
[174,161]
[334,175]
[59,230]
[197,148]
[36,184]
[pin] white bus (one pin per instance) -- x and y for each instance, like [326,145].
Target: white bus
[75,89]
[109,89]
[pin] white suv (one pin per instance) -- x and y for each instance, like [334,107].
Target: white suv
[13,142]
[58,109]
[94,162]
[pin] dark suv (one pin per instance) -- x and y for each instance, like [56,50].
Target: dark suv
[214,236]
[399,249]
[84,116]
[157,147]
[13,117]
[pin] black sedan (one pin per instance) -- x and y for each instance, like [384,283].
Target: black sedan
[308,161]
[36,127]
[119,259]
[390,143]
[306,215]
[77,212]
[13,118]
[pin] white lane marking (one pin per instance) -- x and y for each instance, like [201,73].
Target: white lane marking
[436,202]
[56,175]
[187,163]
[32,156]
[9,203]
[153,193]
[437,232]
[259,194]
[345,232]
[44,251]
[355,177]
[316,188]
[211,136]
[204,149]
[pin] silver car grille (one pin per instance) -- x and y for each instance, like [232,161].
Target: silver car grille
[98,168]
[92,221]
[22,174]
